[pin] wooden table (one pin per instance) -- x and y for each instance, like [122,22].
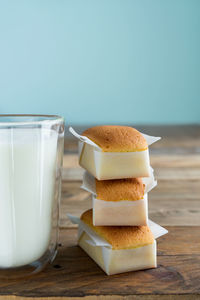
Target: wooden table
[174,203]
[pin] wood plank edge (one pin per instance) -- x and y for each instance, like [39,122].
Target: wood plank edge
[109,297]
[73,226]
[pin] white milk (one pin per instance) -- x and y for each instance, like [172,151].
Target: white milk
[27,178]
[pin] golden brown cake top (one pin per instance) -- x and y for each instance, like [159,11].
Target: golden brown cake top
[121,237]
[120,189]
[113,138]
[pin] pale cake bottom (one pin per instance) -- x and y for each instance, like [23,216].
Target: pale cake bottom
[120,213]
[114,165]
[119,261]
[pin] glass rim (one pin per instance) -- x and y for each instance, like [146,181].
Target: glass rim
[53,119]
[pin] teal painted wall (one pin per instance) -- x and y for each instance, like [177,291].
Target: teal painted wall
[105,61]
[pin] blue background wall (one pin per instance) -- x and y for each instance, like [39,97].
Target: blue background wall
[106,61]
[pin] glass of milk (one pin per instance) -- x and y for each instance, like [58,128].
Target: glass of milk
[31,150]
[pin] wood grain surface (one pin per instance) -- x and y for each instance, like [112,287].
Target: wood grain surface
[174,203]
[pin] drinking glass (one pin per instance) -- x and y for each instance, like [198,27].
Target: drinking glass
[31,151]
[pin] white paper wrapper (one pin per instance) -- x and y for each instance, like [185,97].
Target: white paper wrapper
[156,229]
[150,139]
[120,261]
[83,138]
[113,165]
[97,240]
[117,261]
[120,213]
[89,183]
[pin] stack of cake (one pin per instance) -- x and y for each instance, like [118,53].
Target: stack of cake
[116,232]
